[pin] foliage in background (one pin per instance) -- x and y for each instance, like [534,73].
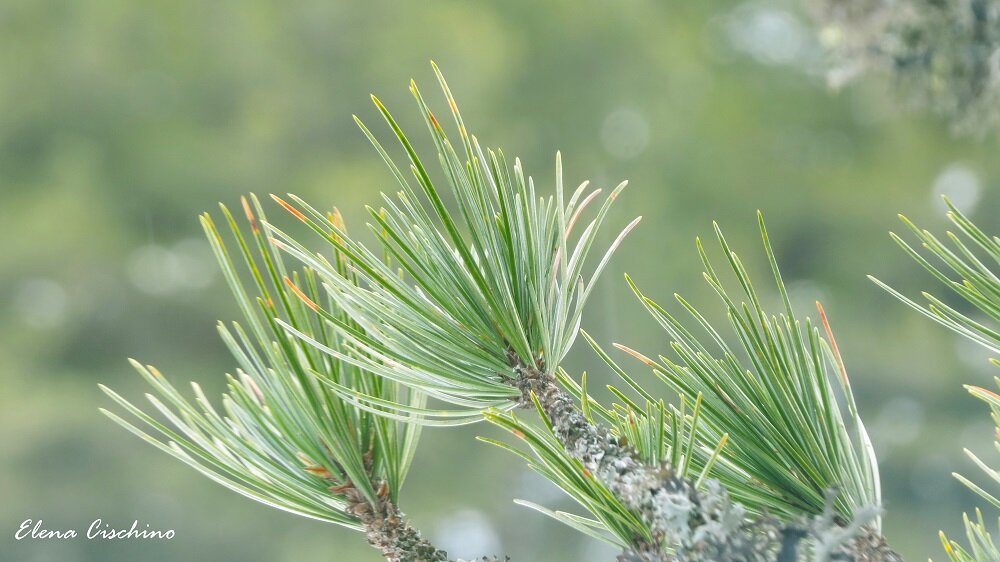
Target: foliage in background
[943,54]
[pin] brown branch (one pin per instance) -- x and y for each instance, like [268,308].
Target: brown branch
[388,530]
[385,526]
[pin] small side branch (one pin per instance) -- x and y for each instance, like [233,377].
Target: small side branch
[388,531]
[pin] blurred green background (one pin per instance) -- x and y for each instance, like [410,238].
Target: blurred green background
[121,120]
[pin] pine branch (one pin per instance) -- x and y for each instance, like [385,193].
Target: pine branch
[677,515]
[774,395]
[677,519]
[283,439]
[968,267]
[389,532]
[972,257]
[784,397]
[462,291]
[340,358]
[481,312]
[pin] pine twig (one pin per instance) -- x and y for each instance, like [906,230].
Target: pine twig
[388,530]
[673,508]
[696,525]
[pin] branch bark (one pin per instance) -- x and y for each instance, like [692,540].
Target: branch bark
[388,530]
